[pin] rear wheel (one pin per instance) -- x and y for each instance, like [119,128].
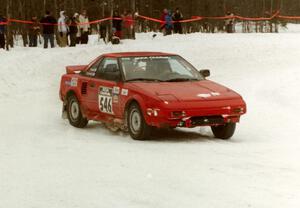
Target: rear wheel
[224,131]
[137,126]
[74,113]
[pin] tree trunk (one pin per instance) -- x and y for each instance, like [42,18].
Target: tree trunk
[8,32]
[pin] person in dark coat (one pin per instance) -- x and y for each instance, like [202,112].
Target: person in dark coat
[2,31]
[177,16]
[117,24]
[229,23]
[34,30]
[73,27]
[48,23]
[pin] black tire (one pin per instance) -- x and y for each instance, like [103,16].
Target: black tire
[137,126]
[224,131]
[74,113]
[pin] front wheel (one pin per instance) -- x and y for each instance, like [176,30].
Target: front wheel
[74,113]
[224,131]
[137,126]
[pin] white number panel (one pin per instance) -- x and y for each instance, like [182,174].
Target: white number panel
[105,100]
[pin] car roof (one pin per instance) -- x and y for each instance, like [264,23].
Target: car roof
[133,54]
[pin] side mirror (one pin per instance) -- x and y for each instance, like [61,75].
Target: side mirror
[205,73]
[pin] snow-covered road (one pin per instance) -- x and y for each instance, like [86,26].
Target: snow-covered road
[44,162]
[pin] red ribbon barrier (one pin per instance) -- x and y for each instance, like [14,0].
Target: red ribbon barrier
[244,18]
[193,19]
[288,17]
[150,18]
[4,23]
[20,21]
[198,18]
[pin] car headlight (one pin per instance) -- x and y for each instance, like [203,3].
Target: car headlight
[238,110]
[178,114]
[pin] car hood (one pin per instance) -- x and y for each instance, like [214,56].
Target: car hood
[187,91]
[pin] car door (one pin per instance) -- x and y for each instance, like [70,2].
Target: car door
[88,88]
[104,88]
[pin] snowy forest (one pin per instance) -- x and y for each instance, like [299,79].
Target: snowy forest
[98,9]
[25,9]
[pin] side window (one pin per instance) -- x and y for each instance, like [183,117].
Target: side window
[91,72]
[108,69]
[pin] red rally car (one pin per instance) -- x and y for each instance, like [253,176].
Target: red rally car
[137,91]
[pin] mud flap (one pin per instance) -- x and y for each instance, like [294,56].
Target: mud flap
[64,114]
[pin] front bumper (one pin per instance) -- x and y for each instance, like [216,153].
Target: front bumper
[193,117]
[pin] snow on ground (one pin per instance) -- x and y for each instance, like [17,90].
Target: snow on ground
[44,162]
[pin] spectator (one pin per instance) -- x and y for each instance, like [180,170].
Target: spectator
[84,27]
[229,23]
[74,29]
[34,31]
[163,19]
[168,24]
[48,22]
[2,31]
[114,39]
[102,27]
[78,34]
[128,25]
[177,16]
[63,29]
[117,24]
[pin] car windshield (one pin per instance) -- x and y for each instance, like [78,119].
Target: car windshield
[159,69]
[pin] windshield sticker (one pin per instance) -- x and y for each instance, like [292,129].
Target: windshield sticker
[124,92]
[145,57]
[105,100]
[151,57]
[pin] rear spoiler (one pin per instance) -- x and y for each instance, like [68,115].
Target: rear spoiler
[74,69]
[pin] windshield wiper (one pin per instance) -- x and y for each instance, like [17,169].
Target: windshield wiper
[181,79]
[144,79]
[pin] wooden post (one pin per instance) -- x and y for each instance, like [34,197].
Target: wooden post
[133,10]
[44,6]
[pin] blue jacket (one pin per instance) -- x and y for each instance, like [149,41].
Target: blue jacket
[2,27]
[168,19]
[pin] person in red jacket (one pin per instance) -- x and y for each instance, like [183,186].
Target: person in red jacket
[163,19]
[128,25]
